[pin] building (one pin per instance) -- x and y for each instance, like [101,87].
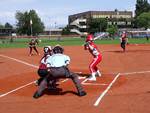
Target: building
[139,33]
[52,32]
[6,31]
[79,22]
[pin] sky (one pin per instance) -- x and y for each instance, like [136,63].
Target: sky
[56,12]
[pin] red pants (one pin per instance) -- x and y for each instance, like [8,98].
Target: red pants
[93,65]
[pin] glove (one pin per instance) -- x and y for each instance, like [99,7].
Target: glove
[48,70]
[48,65]
[86,46]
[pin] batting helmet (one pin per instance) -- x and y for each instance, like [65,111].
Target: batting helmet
[89,38]
[58,49]
[47,49]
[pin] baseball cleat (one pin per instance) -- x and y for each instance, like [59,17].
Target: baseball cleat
[36,83]
[82,93]
[36,95]
[98,74]
[91,78]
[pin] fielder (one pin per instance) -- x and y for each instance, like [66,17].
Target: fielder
[32,45]
[57,68]
[123,41]
[92,48]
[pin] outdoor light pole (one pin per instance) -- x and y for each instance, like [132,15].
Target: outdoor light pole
[31,26]
[117,12]
[55,25]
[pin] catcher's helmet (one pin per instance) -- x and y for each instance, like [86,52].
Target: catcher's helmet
[47,49]
[58,49]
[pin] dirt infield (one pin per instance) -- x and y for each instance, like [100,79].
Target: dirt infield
[123,87]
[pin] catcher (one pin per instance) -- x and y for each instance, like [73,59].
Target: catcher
[42,71]
[57,68]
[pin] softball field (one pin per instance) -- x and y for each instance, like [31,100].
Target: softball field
[123,88]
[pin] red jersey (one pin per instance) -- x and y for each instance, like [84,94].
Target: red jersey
[43,62]
[124,36]
[32,44]
[93,49]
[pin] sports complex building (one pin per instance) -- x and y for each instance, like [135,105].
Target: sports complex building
[79,23]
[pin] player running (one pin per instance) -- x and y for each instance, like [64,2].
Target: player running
[91,46]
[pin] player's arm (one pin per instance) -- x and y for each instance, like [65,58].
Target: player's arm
[37,41]
[91,47]
[30,44]
[48,63]
[94,50]
[120,39]
[67,60]
[127,41]
[86,45]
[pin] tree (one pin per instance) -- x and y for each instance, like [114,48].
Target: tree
[8,25]
[66,31]
[141,6]
[29,23]
[1,26]
[143,20]
[98,25]
[112,29]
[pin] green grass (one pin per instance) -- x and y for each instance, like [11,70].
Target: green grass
[23,42]
[130,40]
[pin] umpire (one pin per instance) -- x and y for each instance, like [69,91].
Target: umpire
[57,67]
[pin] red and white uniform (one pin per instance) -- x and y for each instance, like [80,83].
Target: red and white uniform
[47,54]
[94,52]
[43,64]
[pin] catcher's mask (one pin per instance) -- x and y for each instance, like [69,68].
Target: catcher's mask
[58,49]
[47,49]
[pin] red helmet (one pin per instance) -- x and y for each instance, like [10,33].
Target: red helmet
[89,38]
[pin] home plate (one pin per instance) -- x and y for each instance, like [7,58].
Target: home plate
[81,78]
[86,82]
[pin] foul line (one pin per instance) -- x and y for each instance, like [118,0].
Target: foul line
[94,84]
[20,61]
[130,73]
[106,90]
[16,89]
[23,62]
[84,81]
[114,80]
